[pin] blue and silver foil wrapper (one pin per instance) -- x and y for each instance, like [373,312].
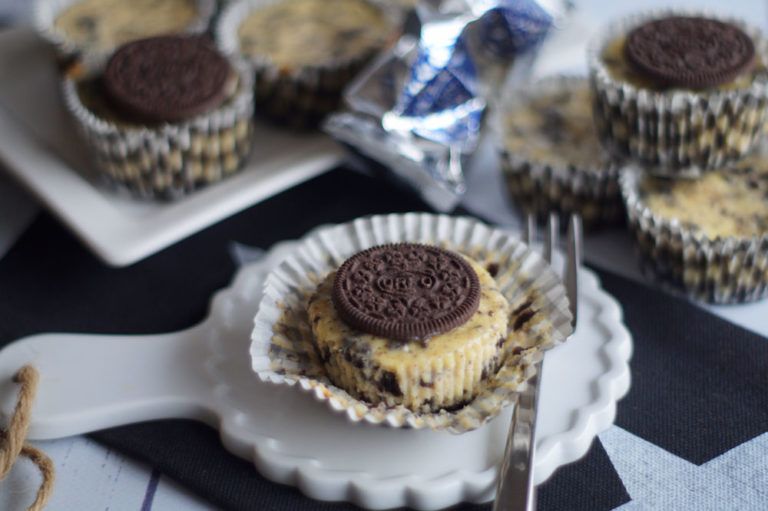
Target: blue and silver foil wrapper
[419,108]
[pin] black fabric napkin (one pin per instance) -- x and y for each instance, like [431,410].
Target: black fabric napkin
[699,385]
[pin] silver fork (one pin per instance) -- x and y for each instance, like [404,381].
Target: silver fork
[515,490]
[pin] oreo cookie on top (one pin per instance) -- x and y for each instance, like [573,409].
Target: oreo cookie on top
[690,52]
[406,292]
[410,324]
[682,52]
[167,78]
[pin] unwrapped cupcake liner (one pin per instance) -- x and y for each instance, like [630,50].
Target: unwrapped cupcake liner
[720,270]
[169,160]
[297,97]
[677,131]
[282,348]
[46,12]
[538,187]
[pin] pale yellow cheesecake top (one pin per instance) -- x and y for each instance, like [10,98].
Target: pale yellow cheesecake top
[101,25]
[556,129]
[728,202]
[297,33]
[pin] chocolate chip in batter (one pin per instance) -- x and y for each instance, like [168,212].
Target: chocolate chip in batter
[523,318]
[388,383]
[86,23]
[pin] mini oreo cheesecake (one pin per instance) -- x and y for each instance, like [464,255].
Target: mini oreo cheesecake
[680,93]
[304,51]
[86,29]
[431,359]
[410,324]
[551,157]
[708,235]
[166,115]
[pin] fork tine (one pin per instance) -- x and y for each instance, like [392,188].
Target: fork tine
[553,229]
[530,229]
[572,263]
[515,489]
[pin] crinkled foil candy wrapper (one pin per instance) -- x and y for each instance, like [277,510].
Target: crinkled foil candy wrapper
[720,270]
[418,109]
[169,160]
[539,187]
[677,132]
[282,349]
[45,13]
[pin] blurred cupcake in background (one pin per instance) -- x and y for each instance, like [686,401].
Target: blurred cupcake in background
[165,116]
[552,159]
[93,29]
[680,92]
[708,235]
[303,51]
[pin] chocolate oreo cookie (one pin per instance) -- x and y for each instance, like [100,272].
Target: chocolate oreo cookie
[690,52]
[166,78]
[406,291]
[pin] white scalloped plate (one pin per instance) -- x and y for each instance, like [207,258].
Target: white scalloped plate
[90,382]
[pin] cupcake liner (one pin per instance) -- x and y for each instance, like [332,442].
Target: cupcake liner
[46,12]
[677,132]
[282,349]
[169,160]
[540,187]
[297,97]
[719,270]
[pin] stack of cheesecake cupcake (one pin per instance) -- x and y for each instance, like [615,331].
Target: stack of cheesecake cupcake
[165,91]
[668,128]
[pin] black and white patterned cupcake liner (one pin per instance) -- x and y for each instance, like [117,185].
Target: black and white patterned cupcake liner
[540,187]
[677,132]
[169,160]
[720,270]
[46,12]
[299,97]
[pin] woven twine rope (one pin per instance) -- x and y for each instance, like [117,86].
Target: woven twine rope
[12,441]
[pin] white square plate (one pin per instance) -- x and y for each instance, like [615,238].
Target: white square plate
[39,146]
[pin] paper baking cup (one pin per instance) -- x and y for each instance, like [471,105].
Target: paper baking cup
[297,97]
[720,270]
[169,160]
[539,187]
[45,13]
[282,349]
[677,132]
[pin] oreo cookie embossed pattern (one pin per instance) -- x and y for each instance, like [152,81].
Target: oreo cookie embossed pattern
[406,291]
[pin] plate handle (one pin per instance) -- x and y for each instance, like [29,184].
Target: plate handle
[90,382]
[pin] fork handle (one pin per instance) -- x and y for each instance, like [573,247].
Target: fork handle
[515,490]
